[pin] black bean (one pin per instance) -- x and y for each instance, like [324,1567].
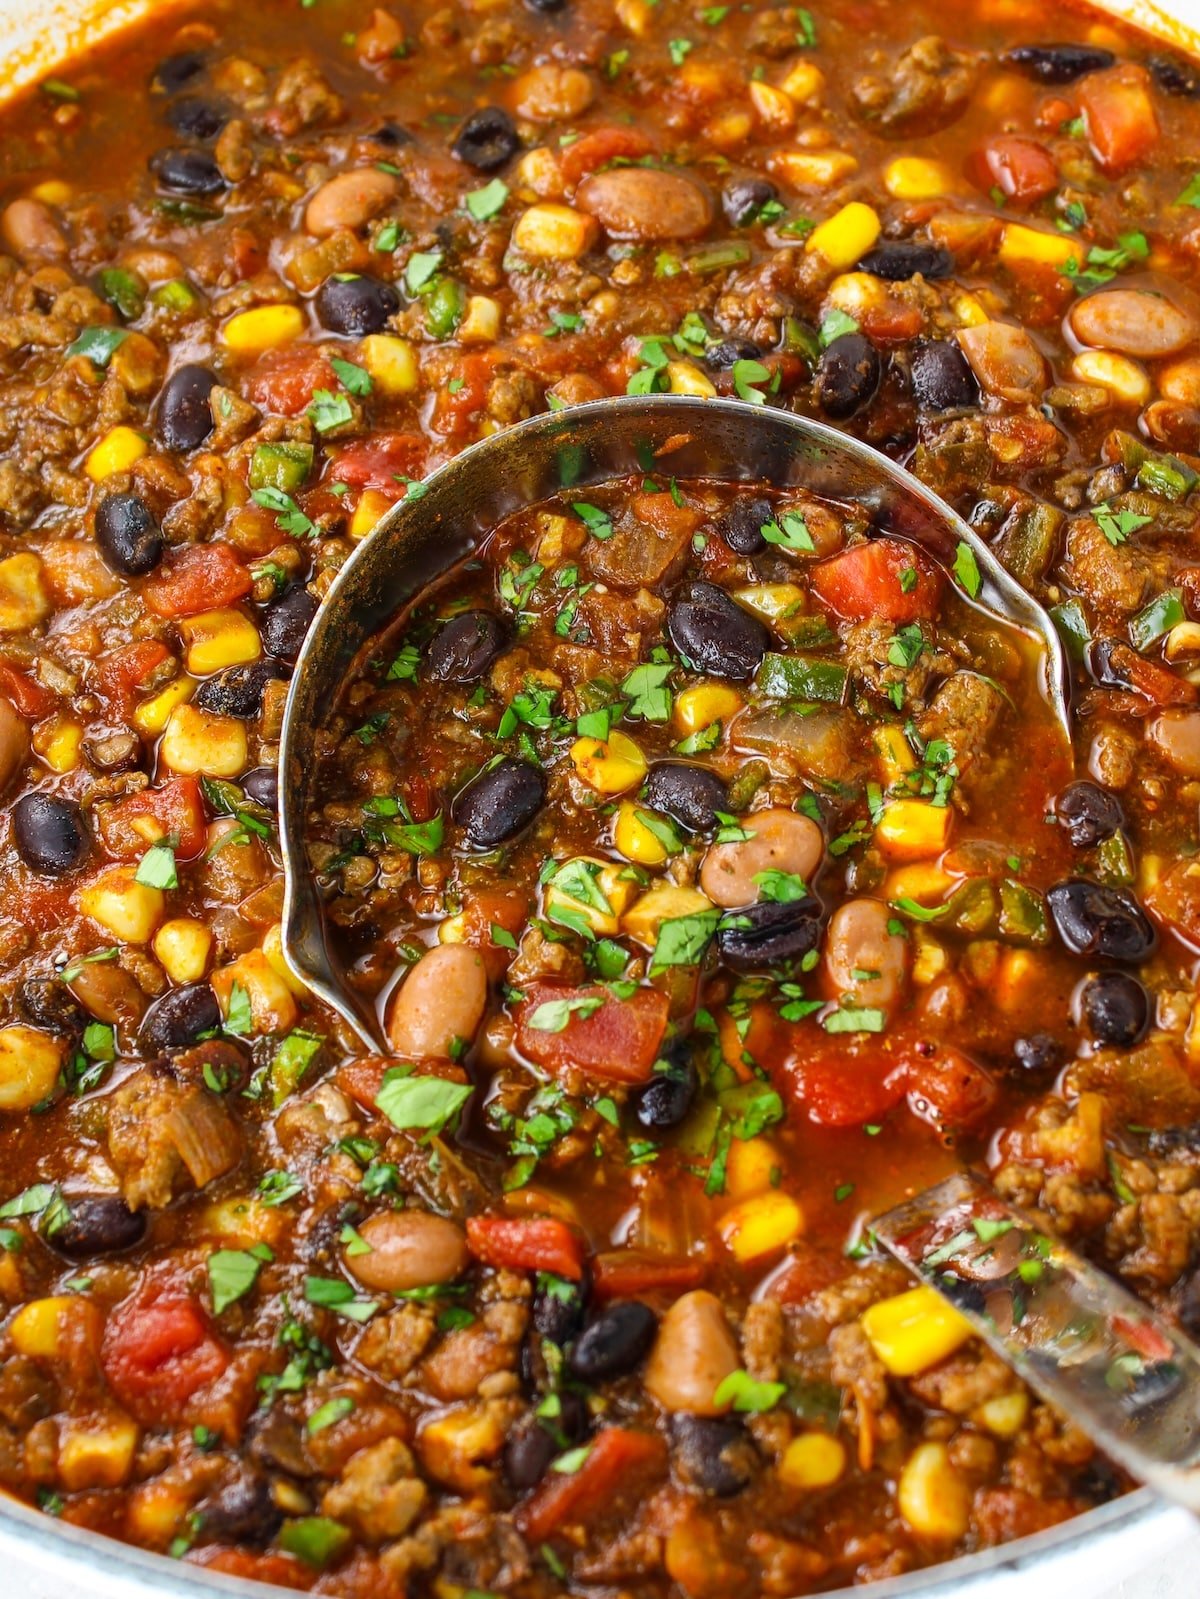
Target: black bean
[714,634]
[1100,922]
[499,802]
[942,379]
[356,306]
[48,1002]
[486,140]
[1108,661]
[177,1019]
[669,1095]
[98,1224]
[1060,63]
[1088,813]
[262,786]
[1116,1008]
[130,540]
[547,6]
[171,74]
[190,172]
[527,1454]
[1038,1056]
[286,622]
[614,1341]
[1175,76]
[692,795]
[463,648]
[50,832]
[238,690]
[558,1310]
[194,117]
[847,375]
[743,198]
[244,1512]
[769,934]
[185,417]
[741,526]
[715,1455]
[720,357]
[392,134]
[905,258]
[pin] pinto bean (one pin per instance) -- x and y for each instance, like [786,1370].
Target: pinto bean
[1134,322]
[348,201]
[552,93]
[642,203]
[408,1249]
[1005,360]
[781,841]
[29,230]
[14,742]
[692,1355]
[1175,734]
[442,999]
[859,941]
[1181,381]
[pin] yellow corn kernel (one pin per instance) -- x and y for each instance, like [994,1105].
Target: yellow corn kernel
[481,320]
[751,1166]
[372,504]
[699,707]
[23,598]
[272,1005]
[117,451]
[772,601]
[392,363]
[454,1442]
[932,1496]
[217,639]
[914,1330]
[925,882]
[846,236]
[814,169]
[930,959]
[1020,245]
[913,830]
[814,1460]
[1124,379]
[201,742]
[636,16]
[262,328]
[969,310]
[453,930]
[896,758]
[728,128]
[634,836]
[804,84]
[152,715]
[761,1225]
[554,233]
[538,174]
[1017,971]
[613,882]
[272,947]
[243,1221]
[57,742]
[182,948]
[158,1511]
[35,1329]
[1005,1415]
[96,1452]
[856,293]
[53,191]
[663,903]
[129,910]
[30,1062]
[914,177]
[774,107]
[685,377]
[610,765]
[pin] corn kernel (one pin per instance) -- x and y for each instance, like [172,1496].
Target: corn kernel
[969,310]
[751,1165]
[243,1221]
[636,16]
[37,1328]
[684,377]
[30,1062]
[554,233]
[272,1005]
[856,293]
[913,177]
[481,320]
[158,1510]
[896,758]
[96,1452]
[453,930]
[761,1225]
[814,1460]
[23,598]
[539,174]
[930,959]
[272,947]
[129,910]
[730,127]
[610,765]
[152,715]
[663,903]
[912,830]
[1124,379]
[372,504]
[57,742]
[699,707]
[914,1330]
[614,886]
[774,107]
[217,639]
[53,191]
[924,882]
[201,742]
[182,948]
[1018,969]
[1005,1415]
[1020,245]
[117,451]
[636,838]
[814,169]
[933,1498]
[391,362]
[804,84]
[262,328]
[846,236]
[774,602]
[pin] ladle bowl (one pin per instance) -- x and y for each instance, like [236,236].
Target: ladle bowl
[455,508]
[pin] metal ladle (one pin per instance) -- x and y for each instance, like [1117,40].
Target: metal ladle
[423,536]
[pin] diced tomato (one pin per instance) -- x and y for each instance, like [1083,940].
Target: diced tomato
[282,1571]
[363,1078]
[884,578]
[616,1040]
[122,672]
[456,408]
[1118,111]
[1174,901]
[1156,683]
[485,909]
[628,1273]
[159,1350]
[195,578]
[843,1087]
[660,512]
[1022,169]
[527,1243]
[598,148]
[946,1088]
[801,1275]
[176,807]
[284,381]
[29,697]
[379,461]
[620,1464]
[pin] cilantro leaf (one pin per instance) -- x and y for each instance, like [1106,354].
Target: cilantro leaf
[355,380]
[966,569]
[156,869]
[287,513]
[414,1103]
